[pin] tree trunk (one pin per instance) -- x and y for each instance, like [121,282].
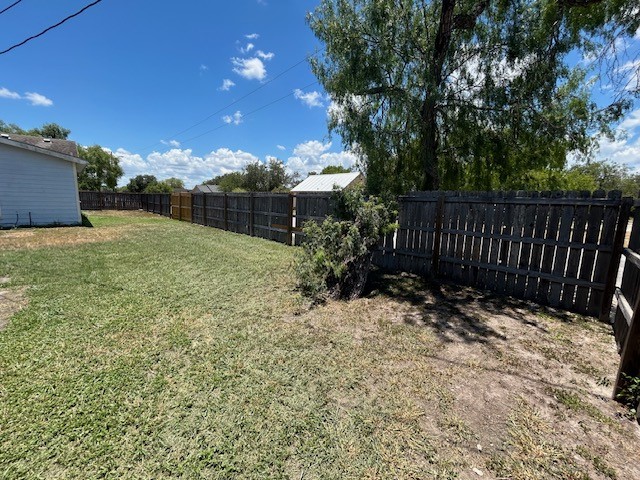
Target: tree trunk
[429,140]
[429,147]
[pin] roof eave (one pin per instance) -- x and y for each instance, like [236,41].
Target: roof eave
[25,146]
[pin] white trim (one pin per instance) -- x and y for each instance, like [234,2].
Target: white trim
[75,177]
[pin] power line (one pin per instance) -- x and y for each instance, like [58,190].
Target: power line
[217,112]
[10,7]
[250,113]
[49,28]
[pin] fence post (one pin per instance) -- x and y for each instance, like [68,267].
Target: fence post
[630,355]
[437,236]
[290,222]
[204,209]
[226,214]
[614,264]
[251,208]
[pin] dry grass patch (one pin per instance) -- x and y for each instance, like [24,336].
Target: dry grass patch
[488,383]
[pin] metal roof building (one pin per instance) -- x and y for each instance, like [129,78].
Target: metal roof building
[327,182]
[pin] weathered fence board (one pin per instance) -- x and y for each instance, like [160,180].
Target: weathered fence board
[626,318]
[556,248]
[109,201]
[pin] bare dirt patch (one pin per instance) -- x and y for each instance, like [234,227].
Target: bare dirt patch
[493,385]
[11,301]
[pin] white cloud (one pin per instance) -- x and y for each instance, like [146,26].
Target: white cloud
[171,143]
[34,98]
[252,36]
[250,46]
[236,118]
[38,100]
[310,99]
[625,149]
[226,85]
[203,67]
[249,68]
[183,164]
[265,56]
[313,156]
[6,93]
[632,121]
[281,147]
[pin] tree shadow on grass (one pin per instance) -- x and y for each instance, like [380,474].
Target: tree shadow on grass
[455,313]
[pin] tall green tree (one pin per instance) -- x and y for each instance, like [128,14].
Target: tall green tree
[451,93]
[103,170]
[335,169]
[139,183]
[50,130]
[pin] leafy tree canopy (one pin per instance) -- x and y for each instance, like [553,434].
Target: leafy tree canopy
[139,183]
[448,93]
[48,130]
[256,177]
[103,170]
[335,169]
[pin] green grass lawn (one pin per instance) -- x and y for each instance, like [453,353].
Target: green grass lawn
[151,348]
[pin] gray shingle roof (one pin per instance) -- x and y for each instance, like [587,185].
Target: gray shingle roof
[66,147]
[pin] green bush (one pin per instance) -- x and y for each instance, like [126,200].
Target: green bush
[630,394]
[335,258]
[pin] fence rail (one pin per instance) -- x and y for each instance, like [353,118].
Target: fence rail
[626,318]
[555,248]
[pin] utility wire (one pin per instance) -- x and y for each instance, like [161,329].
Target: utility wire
[250,113]
[217,112]
[10,7]
[49,28]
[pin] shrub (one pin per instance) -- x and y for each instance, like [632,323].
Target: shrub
[630,394]
[335,258]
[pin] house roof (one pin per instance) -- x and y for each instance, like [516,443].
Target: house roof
[326,182]
[206,189]
[63,149]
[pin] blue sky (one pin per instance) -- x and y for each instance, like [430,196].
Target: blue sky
[132,76]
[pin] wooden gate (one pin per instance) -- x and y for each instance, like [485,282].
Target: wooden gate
[181,206]
[626,321]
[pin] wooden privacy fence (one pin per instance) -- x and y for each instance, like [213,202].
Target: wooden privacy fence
[109,201]
[556,248]
[181,206]
[158,203]
[274,216]
[626,318]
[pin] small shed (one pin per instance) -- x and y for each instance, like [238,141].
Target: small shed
[39,181]
[327,182]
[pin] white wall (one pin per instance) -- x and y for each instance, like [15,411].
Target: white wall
[39,184]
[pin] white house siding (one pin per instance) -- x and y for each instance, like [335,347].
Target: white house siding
[39,184]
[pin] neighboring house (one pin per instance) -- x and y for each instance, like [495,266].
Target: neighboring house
[38,181]
[327,182]
[206,189]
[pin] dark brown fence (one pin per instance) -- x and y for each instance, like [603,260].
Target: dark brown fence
[626,319]
[274,216]
[109,201]
[158,203]
[555,248]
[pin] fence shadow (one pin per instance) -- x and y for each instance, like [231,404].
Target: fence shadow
[455,313]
